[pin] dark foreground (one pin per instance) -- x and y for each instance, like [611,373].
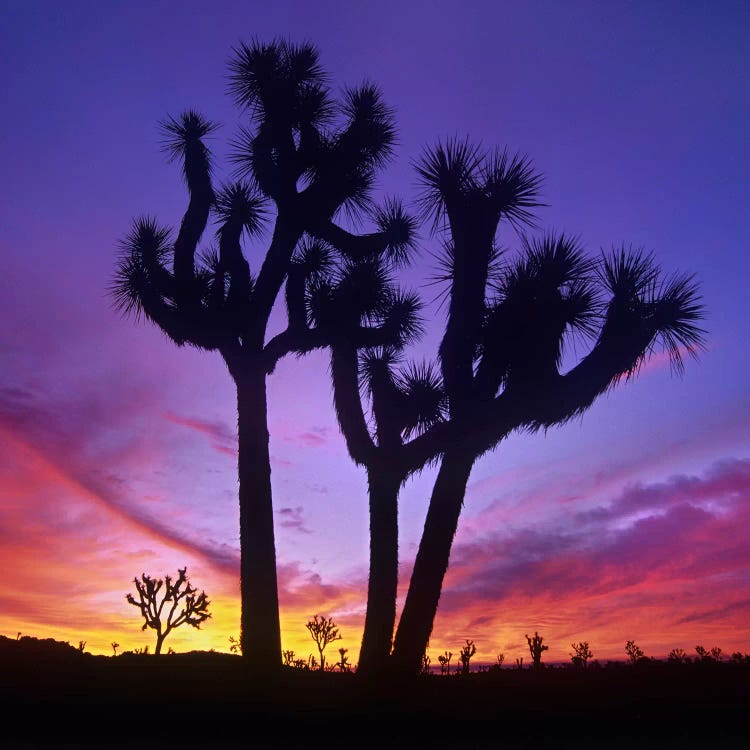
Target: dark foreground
[208,700]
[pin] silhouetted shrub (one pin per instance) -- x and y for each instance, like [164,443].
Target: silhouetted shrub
[536,649]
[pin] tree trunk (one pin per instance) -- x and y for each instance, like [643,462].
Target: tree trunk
[260,634]
[380,617]
[159,641]
[420,608]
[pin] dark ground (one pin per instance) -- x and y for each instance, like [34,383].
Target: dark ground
[54,696]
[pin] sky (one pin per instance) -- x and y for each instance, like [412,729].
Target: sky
[118,449]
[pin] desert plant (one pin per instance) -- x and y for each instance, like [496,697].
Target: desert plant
[678,655]
[519,662]
[309,159]
[536,649]
[425,664]
[508,324]
[581,653]
[180,604]
[634,652]
[444,660]
[81,646]
[467,651]
[343,664]
[715,654]
[323,630]
[235,646]
[115,646]
[498,665]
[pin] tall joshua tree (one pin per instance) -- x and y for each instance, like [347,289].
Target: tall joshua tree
[501,355]
[311,158]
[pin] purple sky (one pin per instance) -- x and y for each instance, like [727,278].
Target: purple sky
[117,448]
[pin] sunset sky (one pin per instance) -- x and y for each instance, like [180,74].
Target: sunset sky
[118,450]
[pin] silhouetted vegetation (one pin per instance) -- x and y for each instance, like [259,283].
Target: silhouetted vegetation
[581,653]
[323,630]
[634,652]
[509,707]
[536,649]
[303,160]
[179,604]
[467,651]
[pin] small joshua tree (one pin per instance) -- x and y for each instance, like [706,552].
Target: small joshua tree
[180,604]
[445,662]
[581,653]
[343,663]
[536,649]
[715,654]
[678,655]
[323,631]
[115,646]
[466,653]
[519,662]
[425,664]
[634,652]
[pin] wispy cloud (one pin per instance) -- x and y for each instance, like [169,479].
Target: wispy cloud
[292,518]
[223,439]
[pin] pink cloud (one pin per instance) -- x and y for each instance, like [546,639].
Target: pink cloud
[223,439]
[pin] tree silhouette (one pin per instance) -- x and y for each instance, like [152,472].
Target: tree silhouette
[634,651]
[581,653]
[508,326]
[303,161]
[536,649]
[179,604]
[465,655]
[323,630]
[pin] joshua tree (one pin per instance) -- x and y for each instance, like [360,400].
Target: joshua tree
[445,662]
[536,649]
[715,654]
[581,653]
[501,355]
[179,604]
[343,663]
[323,630]
[678,655]
[634,652]
[115,646]
[303,159]
[467,652]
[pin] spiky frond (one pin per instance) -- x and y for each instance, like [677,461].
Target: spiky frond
[628,273]
[313,257]
[446,172]
[400,229]
[512,185]
[183,140]
[370,131]
[363,290]
[677,308]
[242,204]
[280,81]
[140,267]
[374,362]
[402,317]
[341,174]
[424,402]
